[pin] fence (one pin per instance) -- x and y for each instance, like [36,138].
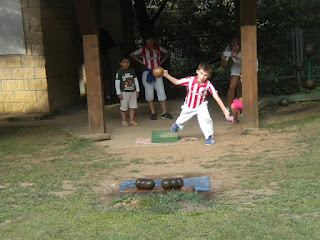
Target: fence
[286,53]
[278,54]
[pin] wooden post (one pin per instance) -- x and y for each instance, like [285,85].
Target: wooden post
[249,63]
[127,19]
[91,47]
[95,95]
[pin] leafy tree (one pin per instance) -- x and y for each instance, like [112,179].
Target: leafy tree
[198,30]
[146,21]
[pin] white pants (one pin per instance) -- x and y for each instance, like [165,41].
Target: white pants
[204,119]
[150,87]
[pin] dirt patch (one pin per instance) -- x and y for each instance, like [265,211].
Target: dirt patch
[226,162]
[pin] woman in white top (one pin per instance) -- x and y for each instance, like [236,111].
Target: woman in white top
[234,52]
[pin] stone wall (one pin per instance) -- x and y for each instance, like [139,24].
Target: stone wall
[45,79]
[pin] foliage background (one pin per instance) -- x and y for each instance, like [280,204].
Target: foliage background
[199,30]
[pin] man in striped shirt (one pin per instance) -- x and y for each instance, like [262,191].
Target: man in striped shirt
[151,58]
[195,102]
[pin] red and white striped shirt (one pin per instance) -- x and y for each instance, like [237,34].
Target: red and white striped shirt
[151,58]
[196,93]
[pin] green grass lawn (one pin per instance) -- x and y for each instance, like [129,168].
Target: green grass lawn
[37,161]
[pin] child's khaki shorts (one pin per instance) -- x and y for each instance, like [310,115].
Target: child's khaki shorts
[129,101]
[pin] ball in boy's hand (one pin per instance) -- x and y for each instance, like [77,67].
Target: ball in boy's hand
[230,119]
[157,72]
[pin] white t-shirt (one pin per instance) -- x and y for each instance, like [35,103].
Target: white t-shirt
[236,64]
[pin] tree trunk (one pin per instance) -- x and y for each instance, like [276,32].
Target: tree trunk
[145,21]
[146,24]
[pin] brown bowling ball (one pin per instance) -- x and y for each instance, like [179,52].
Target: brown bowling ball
[143,184]
[138,182]
[149,184]
[174,183]
[180,182]
[284,102]
[310,83]
[166,184]
[309,48]
[299,66]
[157,72]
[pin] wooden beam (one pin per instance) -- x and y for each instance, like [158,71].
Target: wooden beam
[86,16]
[95,95]
[248,16]
[91,47]
[249,76]
[248,12]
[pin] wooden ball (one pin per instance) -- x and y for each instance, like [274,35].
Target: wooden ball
[310,83]
[166,184]
[284,102]
[180,182]
[143,184]
[174,183]
[309,48]
[149,184]
[157,72]
[138,182]
[299,66]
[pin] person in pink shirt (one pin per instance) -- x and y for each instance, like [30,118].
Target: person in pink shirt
[195,103]
[151,58]
[236,108]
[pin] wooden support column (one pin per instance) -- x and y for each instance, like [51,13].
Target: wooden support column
[249,63]
[91,47]
[95,95]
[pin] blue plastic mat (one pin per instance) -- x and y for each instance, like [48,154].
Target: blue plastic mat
[201,184]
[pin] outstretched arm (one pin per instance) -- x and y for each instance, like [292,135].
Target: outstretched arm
[170,78]
[222,106]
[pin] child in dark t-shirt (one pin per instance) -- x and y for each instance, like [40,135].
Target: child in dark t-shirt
[127,89]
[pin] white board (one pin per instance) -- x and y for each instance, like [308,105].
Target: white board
[11,28]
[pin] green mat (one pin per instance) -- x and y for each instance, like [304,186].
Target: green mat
[164,136]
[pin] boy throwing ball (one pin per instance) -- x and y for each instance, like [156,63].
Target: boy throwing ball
[195,102]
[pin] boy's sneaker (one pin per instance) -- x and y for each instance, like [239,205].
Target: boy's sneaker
[210,141]
[174,127]
[154,116]
[167,116]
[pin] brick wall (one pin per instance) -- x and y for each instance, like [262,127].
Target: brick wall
[46,78]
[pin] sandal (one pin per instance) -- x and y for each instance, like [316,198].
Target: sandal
[125,124]
[134,123]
